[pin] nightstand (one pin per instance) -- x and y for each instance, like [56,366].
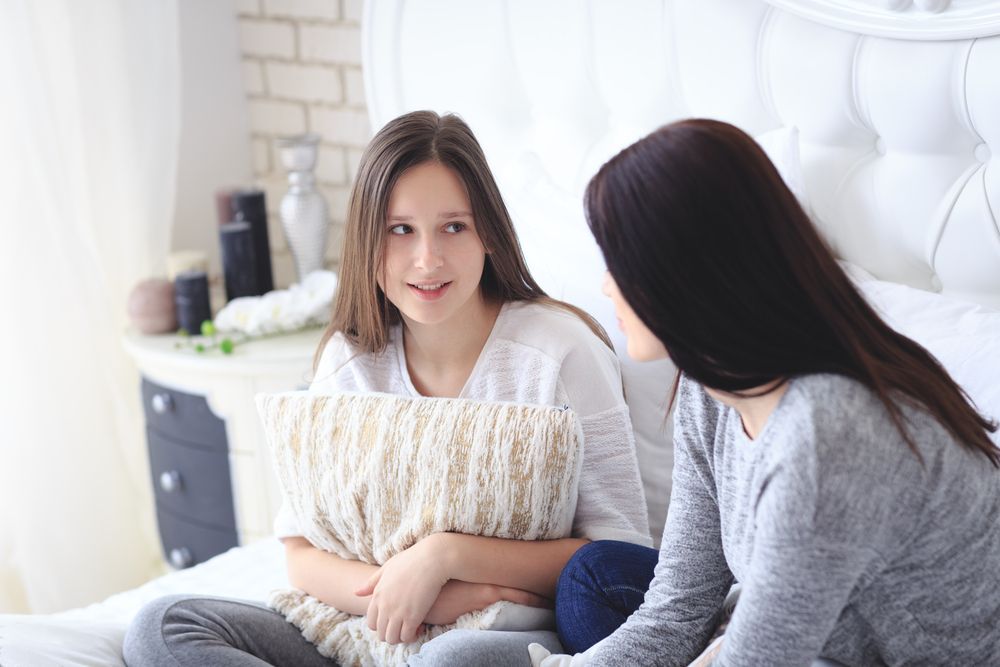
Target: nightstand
[210,465]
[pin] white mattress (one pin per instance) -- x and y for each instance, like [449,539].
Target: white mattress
[93,635]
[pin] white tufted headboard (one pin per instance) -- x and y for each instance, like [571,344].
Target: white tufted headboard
[897,103]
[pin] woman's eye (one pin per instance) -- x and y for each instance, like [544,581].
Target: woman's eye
[454,227]
[400,229]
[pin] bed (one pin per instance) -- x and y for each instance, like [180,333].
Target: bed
[881,115]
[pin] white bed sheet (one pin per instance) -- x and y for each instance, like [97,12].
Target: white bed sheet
[92,636]
[964,336]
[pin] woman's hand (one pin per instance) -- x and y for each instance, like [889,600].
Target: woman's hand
[461,597]
[404,589]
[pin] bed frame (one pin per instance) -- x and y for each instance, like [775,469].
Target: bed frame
[896,102]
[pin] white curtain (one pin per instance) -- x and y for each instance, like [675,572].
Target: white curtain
[89,125]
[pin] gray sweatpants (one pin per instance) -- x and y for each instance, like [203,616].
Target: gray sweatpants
[179,630]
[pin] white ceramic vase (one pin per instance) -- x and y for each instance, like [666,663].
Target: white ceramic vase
[304,214]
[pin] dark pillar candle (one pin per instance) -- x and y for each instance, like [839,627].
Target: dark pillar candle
[249,206]
[191,298]
[239,259]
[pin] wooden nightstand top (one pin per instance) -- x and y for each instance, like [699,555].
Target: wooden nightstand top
[263,355]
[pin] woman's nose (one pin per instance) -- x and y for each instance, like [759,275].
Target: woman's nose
[428,254]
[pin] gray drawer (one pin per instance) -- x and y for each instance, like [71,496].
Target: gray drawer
[192,482]
[186,543]
[182,416]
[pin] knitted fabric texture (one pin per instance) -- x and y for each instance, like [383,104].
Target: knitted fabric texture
[369,475]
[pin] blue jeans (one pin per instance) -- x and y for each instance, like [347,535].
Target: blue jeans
[600,587]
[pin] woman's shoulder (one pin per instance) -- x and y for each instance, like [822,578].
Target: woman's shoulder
[336,350]
[693,400]
[839,422]
[550,328]
[833,404]
[559,345]
[340,356]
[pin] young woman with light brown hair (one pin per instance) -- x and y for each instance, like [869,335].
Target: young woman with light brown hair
[435,299]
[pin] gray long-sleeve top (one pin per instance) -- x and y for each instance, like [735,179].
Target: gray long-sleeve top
[845,546]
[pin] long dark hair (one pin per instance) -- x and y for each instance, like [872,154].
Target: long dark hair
[718,259]
[361,310]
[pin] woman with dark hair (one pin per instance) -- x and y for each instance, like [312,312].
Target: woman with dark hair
[826,463]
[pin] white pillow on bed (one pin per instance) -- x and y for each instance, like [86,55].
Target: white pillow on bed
[782,147]
[964,336]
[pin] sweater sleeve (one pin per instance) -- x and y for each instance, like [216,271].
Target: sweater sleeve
[611,504]
[683,604]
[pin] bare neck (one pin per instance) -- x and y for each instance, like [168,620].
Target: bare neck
[440,357]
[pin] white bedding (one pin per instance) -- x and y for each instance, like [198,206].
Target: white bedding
[92,635]
[964,336]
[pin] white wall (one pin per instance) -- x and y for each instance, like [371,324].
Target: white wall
[254,70]
[215,132]
[301,63]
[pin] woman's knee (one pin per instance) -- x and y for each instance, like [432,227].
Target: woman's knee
[581,567]
[449,648]
[599,561]
[144,643]
[601,585]
[463,647]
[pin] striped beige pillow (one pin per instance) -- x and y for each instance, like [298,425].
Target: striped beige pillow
[368,475]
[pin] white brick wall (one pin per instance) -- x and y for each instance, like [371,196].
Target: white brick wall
[306,83]
[272,117]
[326,10]
[331,44]
[302,72]
[354,87]
[352,10]
[267,38]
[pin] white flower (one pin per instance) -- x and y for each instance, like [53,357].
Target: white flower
[301,305]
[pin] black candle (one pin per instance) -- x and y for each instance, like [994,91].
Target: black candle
[191,298]
[249,206]
[239,259]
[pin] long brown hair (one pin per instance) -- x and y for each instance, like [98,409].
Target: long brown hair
[718,259]
[361,310]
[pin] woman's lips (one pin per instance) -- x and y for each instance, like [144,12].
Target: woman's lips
[429,294]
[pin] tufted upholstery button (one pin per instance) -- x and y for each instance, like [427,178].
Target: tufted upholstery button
[880,146]
[983,153]
[936,283]
[933,6]
[895,5]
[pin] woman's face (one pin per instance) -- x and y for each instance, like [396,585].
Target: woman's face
[433,256]
[642,344]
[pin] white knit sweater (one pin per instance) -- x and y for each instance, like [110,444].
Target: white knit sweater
[538,355]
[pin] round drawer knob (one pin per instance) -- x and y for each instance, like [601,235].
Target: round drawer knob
[170,481]
[162,403]
[180,557]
